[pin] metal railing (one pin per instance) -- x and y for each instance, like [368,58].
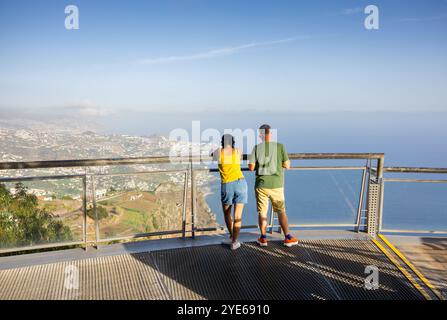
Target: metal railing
[370,173]
[414,171]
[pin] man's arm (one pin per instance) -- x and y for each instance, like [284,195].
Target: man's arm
[286,164]
[285,158]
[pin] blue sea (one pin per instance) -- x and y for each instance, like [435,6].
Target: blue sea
[332,197]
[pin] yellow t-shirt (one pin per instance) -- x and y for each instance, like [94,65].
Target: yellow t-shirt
[230,166]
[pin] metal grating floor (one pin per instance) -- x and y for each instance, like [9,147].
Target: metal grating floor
[315,269]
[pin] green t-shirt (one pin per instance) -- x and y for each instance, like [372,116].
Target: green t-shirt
[268,158]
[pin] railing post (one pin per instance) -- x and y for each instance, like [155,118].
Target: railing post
[84,207]
[95,212]
[193,200]
[362,190]
[381,183]
[375,200]
[185,195]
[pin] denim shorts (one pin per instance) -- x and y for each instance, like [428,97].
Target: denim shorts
[234,192]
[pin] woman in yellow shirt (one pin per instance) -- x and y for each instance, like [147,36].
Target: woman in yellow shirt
[233,187]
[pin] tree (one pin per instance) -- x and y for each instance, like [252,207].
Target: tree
[23,223]
[101,212]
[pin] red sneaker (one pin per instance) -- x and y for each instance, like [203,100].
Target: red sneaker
[290,242]
[262,241]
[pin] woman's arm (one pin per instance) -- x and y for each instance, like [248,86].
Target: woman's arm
[215,154]
[252,160]
[239,153]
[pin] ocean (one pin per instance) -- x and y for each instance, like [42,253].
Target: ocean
[332,197]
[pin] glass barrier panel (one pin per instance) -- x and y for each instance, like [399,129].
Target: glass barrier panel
[40,212]
[312,197]
[138,203]
[415,206]
[208,212]
[322,196]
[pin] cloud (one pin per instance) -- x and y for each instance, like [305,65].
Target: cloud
[410,19]
[78,117]
[87,108]
[422,19]
[84,109]
[226,51]
[350,11]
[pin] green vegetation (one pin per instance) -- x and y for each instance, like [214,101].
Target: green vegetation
[23,223]
[138,220]
[100,211]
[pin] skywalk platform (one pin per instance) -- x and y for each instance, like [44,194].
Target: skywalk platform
[326,265]
[429,255]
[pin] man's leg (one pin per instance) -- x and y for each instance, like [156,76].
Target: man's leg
[228,219]
[262,204]
[289,240]
[284,222]
[238,208]
[262,220]
[279,206]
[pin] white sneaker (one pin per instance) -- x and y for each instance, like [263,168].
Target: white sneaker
[227,242]
[235,245]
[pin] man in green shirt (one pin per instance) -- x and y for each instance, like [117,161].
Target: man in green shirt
[269,159]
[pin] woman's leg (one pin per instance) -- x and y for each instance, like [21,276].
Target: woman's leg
[228,221]
[238,208]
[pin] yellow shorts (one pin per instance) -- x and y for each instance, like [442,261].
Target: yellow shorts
[276,196]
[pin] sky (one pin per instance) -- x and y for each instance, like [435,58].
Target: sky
[222,56]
